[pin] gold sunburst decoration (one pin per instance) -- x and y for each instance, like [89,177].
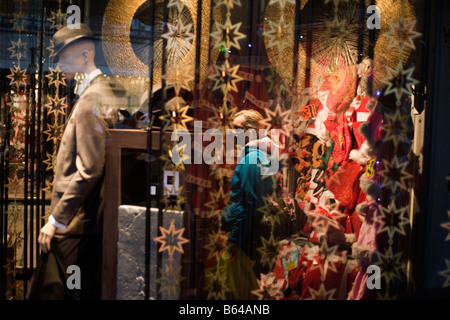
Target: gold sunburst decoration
[346,18]
[126,60]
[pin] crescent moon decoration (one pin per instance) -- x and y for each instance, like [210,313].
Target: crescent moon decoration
[334,39]
[127,54]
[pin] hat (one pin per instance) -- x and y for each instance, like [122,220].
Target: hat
[68,36]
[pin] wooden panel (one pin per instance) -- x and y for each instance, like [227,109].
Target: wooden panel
[119,139]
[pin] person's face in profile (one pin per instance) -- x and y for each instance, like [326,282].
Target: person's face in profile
[71,61]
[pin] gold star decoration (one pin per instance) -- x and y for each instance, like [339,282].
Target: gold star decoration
[56,77]
[48,189]
[227,35]
[50,161]
[176,117]
[51,48]
[56,105]
[166,157]
[179,40]
[390,264]
[271,210]
[171,240]
[393,220]
[170,280]
[278,119]
[446,225]
[54,132]
[277,84]
[218,200]
[399,82]
[269,251]
[337,30]
[18,49]
[280,35]
[225,77]
[217,244]
[322,293]
[173,199]
[179,78]
[446,273]
[396,126]
[58,19]
[394,174]
[18,21]
[14,184]
[222,117]
[216,285]
[325,252]
[402,34]
[17,77]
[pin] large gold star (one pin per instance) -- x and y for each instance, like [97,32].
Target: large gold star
[58,19]
[171,240]
[278,119]
[322,293]
[269,251]
[56,77]
[54,132]
[50,161]
[390,264]
[14,185]
[394,174]
[446,225]
[179,40]
[18,21]
[222,117]
[217,202]
[176,118]
[227,35]
[399,82]
[216,285]
[393,220]
[225,77]
[167,156]
[217,244]
[396,126]
[170,280]
[402,34]
[280,35]
[271,210]
[56,105]
[17,77]
[18,49]
[173,198]
[446,273]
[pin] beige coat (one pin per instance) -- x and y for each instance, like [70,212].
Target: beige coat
[77,190]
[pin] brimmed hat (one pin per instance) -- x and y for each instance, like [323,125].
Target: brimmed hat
[66,37]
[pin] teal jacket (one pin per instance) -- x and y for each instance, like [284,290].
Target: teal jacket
[248,188]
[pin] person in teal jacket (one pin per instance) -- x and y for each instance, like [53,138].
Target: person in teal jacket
[249,187]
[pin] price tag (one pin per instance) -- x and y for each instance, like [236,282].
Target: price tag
[308,112]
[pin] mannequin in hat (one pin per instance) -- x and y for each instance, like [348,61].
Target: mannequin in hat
[73,233]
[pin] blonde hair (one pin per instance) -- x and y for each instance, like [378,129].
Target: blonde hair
[253,120]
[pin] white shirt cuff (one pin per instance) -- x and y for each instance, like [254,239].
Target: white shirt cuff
[56,223]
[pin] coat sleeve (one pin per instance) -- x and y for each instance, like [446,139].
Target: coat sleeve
[89,153]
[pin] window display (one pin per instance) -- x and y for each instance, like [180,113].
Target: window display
[268,149]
